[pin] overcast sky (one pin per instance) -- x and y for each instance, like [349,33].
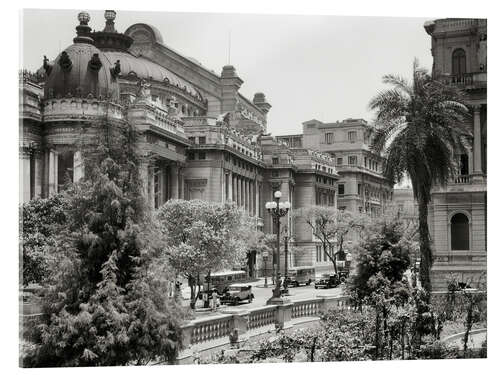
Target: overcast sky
[322,67]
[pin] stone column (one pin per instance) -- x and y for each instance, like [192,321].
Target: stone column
[257,199]
[25,176]
[174,178]
[78,170]
[238,183]
[477,140]
[223,184]
[181,183]
[250,197]
[52,172]
[230,187]
[247,195]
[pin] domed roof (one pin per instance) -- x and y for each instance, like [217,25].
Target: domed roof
[142,67]
[81,70]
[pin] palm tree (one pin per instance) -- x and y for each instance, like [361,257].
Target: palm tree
[421,127]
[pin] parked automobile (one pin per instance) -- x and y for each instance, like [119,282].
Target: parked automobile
[300,275]
[236,293]
[327,280]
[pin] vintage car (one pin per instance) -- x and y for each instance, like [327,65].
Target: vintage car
[327,280]
[300,275]
[236,293]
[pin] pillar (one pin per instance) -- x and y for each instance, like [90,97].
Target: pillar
[223,184]
[251,197]
[174,178]
[230,187]
[52,175]
[258,199]
[77,166]
[247,195]
[238,186]
[477,140]
[25,176]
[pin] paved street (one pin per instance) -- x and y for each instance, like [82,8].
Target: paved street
[262,294]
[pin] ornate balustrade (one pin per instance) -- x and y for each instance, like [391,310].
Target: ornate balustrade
[212,332]
[67,109]
[208,329]
[261,317]
[462,179]
[476,79]
[305,308]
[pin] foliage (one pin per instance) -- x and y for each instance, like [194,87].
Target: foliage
[203,237]
[421,128]
[106,298]
[41,220]
[331,227]
[382,257]
[287,346]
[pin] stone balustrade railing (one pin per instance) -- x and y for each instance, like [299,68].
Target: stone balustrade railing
[236,326]
[462,179]
[79,108]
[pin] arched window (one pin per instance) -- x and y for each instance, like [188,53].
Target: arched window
[458,62]
[460,232]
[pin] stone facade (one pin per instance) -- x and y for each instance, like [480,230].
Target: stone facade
[202,138]
[361,187]
[457,213]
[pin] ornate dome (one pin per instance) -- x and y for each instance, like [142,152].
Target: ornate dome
[81,70]
[141,67]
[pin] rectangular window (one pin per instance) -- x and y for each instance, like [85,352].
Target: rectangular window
[192,139]
[190,155]
[353,160]
[329,138]
[339,161]
[275,174]
[202,155]
[341,189]
[276,161]
[359,189]
[366,164]
[352,137]
[202,140]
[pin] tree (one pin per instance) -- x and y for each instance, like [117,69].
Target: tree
[257,242]
[202,237]
[41,221]
[106,300]
[331,226]
[421,127]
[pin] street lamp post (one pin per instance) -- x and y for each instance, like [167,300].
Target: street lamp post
[265,254]
[277,210]
[285,286]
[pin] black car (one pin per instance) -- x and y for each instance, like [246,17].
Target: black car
[327,280]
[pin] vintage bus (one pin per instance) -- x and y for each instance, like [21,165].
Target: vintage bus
[221,280]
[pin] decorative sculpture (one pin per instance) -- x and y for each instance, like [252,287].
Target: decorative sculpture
[115,71]
[65,62]
[95,63]
[46,66]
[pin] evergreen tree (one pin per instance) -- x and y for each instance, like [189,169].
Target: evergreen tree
[107,292]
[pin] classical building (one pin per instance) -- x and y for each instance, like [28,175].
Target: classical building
[202,138]
[362,187]
[457,213]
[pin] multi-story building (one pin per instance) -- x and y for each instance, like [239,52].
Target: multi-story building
[362,186]
[457,213]
[202,138]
